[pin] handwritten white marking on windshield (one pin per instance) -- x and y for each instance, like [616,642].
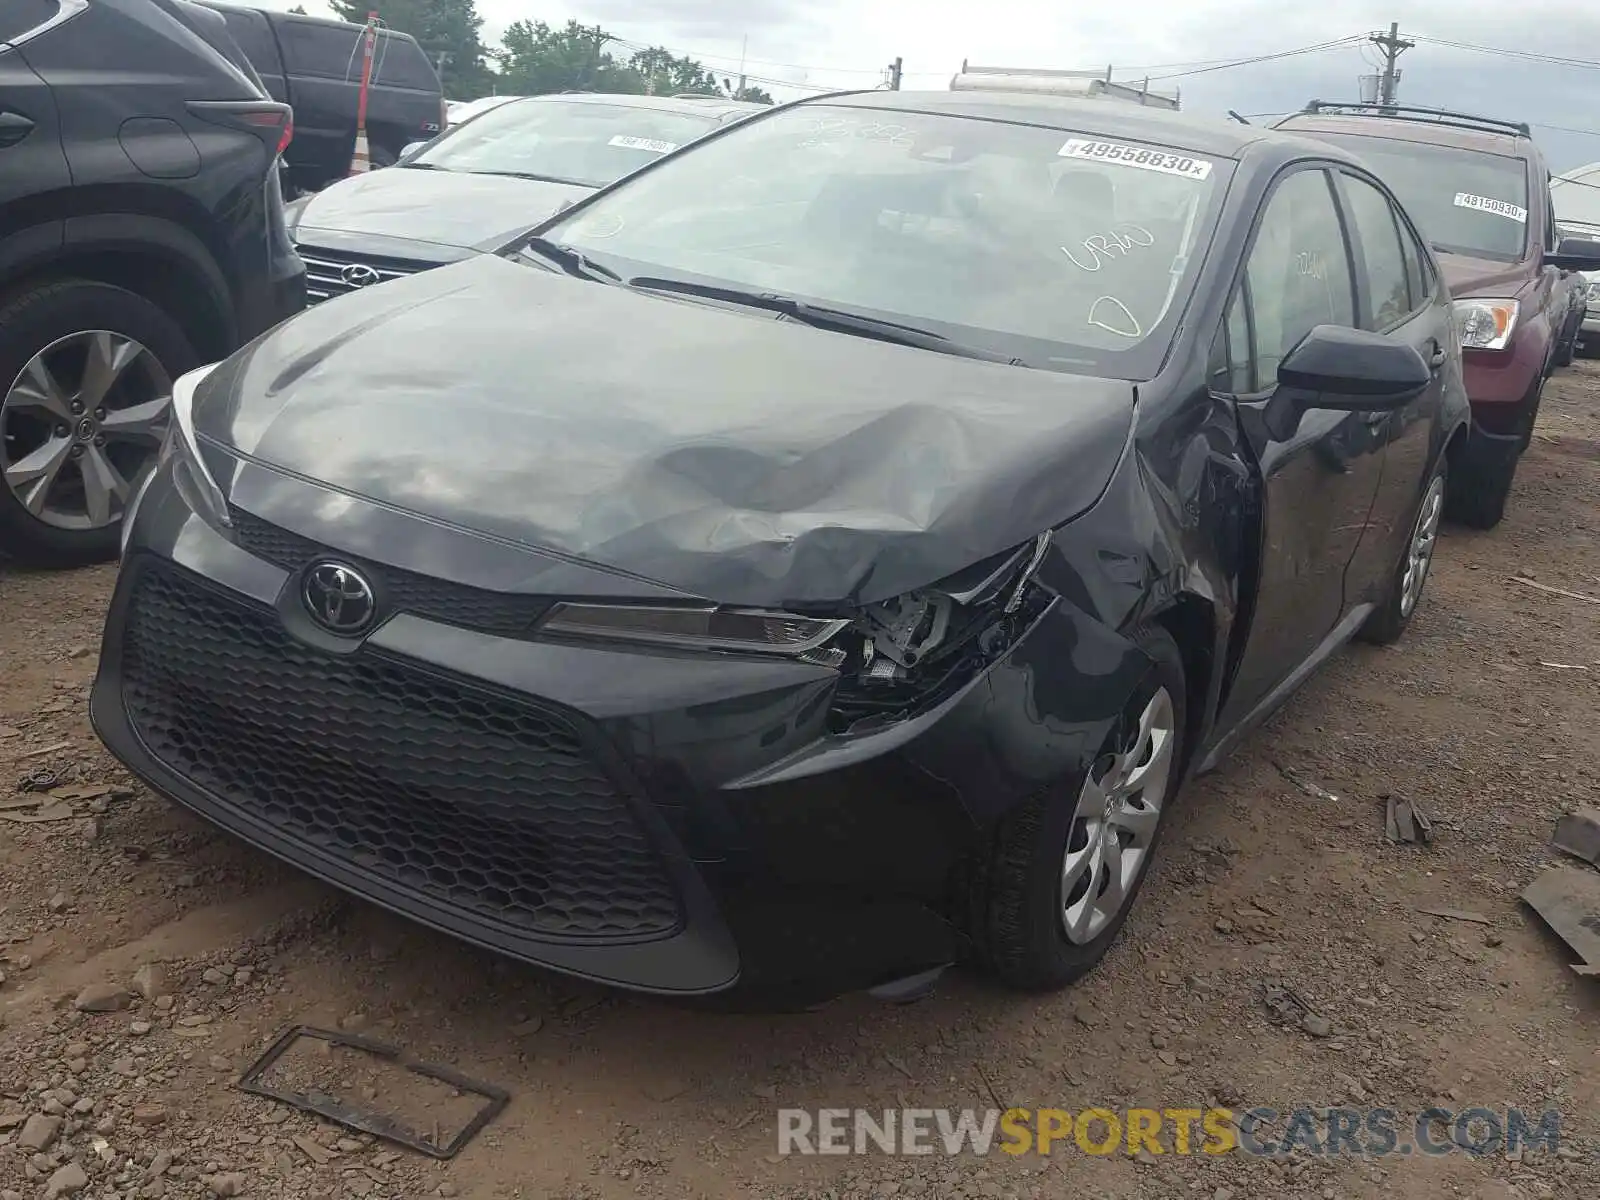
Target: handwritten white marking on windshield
[1102,248]
[1136,332]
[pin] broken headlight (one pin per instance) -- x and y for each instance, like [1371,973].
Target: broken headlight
[894,657]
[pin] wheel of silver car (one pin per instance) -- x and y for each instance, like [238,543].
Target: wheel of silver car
[1114,827]
[1063,870]
[81,421]
[87,373]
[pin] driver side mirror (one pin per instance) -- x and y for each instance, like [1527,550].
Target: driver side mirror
[1354,370]
[1575,254]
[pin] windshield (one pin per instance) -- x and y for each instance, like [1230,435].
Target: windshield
[572,141]
[1466,201]
[1065,251]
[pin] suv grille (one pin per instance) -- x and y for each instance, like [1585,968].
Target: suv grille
[468,800]
[326,272]
[504,614]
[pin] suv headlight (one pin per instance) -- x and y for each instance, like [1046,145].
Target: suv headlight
[190,474]
[1485,324]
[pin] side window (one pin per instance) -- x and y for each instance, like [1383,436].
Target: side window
[1552,232]
[1419,275]
[18,17]
[1299,270]
[250,30]
[325,51]
[400,63]
[1382,254]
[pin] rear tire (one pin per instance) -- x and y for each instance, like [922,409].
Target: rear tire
[30,324]
[1410,575]
[1042,873]
[1478,499]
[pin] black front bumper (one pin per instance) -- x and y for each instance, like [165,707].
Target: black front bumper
[671,823]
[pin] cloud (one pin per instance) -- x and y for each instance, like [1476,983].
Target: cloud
[812,44]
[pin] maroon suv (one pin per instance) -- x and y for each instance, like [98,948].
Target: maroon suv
[1479,189]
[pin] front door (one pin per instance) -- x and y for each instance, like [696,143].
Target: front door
[1319,468]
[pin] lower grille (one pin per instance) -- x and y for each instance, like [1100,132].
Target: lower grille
[330,273]
[466,799]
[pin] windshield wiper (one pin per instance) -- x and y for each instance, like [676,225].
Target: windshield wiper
[537,178]
[822,316]
[422,166]
[569,260]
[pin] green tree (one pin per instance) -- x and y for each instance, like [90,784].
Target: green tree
[299,10]
[663,73]
[754,95]
[447,30]
[537,58]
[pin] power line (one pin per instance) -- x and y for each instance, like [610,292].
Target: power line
[1525,55]
[1335,44]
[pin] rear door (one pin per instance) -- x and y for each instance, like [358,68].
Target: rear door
[1319,468]
[32,161]
[1398,295]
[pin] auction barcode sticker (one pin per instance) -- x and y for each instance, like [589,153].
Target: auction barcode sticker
[1133,156]
[639,143]
[1485,204]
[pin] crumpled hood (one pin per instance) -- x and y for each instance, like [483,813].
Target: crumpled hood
[733,456]
[1467,276]
[446,208]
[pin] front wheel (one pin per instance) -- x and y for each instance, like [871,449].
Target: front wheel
[1064,869]
[86,375]
[1389,621]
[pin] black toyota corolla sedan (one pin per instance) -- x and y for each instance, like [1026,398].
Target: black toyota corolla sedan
[813,561]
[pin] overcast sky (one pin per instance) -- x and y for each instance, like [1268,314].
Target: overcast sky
[846,43]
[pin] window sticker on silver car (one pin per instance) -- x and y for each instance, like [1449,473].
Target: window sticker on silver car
[639,143]
[1134,156]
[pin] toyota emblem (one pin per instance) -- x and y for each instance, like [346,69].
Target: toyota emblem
[339,598]
[359,275]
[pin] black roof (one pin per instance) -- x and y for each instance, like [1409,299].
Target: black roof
[1102,117]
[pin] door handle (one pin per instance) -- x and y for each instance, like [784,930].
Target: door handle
[13,128]
[1437,360]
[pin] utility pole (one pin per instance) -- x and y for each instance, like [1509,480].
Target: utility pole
[744,49]
[1393,46]
[894,74]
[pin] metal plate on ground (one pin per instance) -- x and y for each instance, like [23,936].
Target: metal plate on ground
[320,1083]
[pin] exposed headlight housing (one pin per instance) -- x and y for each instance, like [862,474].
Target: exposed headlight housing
[181,449]
[1485,324]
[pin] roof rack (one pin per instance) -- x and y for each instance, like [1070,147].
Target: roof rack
[1411,112]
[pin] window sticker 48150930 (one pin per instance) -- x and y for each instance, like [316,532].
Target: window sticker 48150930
[1141,157]
[654,145]
[1502,208]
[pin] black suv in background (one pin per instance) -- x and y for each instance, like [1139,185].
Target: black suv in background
[141,234]
[314,66]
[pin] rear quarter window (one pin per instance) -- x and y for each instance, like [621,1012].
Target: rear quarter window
[400,63]
[254,35]
[324,51]
[18,17]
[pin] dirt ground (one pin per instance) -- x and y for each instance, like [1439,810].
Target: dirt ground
[202,951]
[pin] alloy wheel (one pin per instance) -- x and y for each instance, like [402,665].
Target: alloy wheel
[1114,826]
[1419,556]
[79,426]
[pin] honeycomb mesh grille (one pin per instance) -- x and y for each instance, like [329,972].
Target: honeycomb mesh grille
[499,613]
[465,799]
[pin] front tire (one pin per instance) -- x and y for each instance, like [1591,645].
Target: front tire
[86,375]
[1389,621]
[1063,870]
